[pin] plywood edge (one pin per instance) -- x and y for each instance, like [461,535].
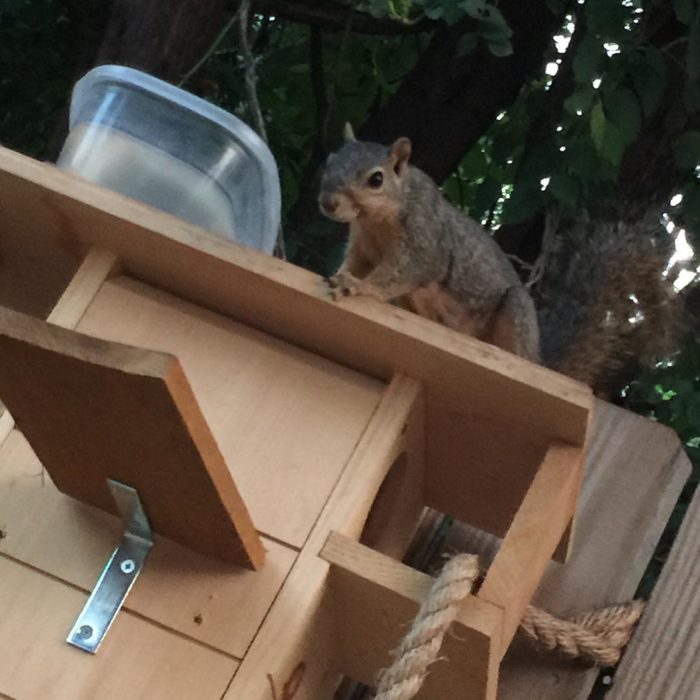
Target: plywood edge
[226,490]
[96,267]
[538,526]
[291,303]
[31,331]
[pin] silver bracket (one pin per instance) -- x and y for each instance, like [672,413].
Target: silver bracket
[119,574]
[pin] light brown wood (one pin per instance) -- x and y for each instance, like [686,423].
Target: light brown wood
[634,471]
[286,421]
[374,600]
[199,597]
[661,661]
[138,661]
[298,638]
[537,528]
[35,265]
[68,310]
[293,304]
[95,268]
[94,410]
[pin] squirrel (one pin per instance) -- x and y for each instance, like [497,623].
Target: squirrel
[610,309]
[408,244]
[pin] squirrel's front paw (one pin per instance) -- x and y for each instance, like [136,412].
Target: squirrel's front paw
[343,284]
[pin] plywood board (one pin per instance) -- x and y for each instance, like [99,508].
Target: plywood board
[537,528]
[297,642]
[139,660]
[293,304]
[285,420]
[661,661]
[375,600]
[209,601]
[634,472]
[68,310]
[94,410]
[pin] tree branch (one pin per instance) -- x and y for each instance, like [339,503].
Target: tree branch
[330,16]
[447,102]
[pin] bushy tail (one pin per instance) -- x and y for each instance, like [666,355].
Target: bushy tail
[607,303]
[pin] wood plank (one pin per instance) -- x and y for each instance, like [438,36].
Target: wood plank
[662,658]
[298,638]
[293,304]
[94,410]
[70,307]
[634,472]
[375,599]
[95,268]
[183,591]
[36,264]
[539,525]
[138,660]
[285,421]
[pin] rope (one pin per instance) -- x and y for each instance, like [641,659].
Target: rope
[598,636]
[420,647]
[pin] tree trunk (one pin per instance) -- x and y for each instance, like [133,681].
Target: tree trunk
[164,38]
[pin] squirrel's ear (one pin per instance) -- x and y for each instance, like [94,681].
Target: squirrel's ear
[348,133]
[400,153]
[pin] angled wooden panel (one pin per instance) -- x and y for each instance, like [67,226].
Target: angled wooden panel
[94,410]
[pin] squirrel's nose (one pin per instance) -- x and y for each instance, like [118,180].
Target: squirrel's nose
[328,202]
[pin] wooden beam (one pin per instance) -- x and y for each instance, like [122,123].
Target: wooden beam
[532,539]
[375,598]
[288,302]
[94,410]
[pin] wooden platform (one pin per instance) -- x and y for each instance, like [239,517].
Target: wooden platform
[328,416]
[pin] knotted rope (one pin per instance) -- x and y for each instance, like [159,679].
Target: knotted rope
[598,637]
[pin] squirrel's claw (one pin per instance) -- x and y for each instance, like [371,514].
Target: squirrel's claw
[343,284]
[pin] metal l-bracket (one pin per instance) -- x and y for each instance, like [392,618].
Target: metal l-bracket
[119,574]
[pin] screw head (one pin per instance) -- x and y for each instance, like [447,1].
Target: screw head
[85,632]
[127,566]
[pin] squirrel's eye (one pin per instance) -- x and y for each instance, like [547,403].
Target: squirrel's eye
[375,180]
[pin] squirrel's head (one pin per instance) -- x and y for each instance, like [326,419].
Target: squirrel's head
[364,180]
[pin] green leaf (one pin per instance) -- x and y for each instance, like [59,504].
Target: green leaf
[691,96]
[474,8]
[598,124]
[467,43]
[686,150]
[566,189]
[685,10]
[488,193]
[649,78]
[613,145]
[434,12]
[524,203]
[691,206]
[605,17]
[581,100]
[494,25]
[588,59]
[501,48]
[622,109]
[693,55]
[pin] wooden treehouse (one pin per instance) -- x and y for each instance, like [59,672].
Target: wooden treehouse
[282,447]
